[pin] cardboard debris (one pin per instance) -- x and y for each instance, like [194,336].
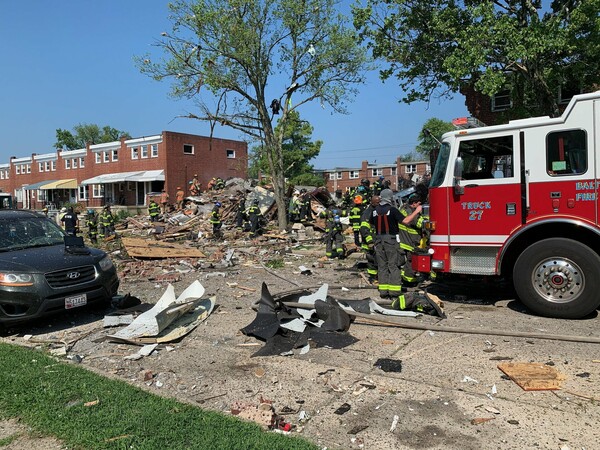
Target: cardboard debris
[533,376]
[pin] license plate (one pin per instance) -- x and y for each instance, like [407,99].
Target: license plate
[75,301]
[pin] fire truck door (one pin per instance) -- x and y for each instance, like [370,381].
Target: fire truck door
[489,206]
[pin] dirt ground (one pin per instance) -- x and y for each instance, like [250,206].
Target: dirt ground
[448,394]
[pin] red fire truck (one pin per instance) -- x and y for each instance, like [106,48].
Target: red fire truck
[520,200]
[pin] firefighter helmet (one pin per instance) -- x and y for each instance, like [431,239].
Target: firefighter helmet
[365,182]
[358,199]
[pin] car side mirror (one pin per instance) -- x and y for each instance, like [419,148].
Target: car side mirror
[458,172]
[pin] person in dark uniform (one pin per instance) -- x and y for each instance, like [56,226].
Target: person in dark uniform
[70,222]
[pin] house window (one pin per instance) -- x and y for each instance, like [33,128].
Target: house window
[83,193]
[154,150]
[106,156]
[338,175]
[47,166]
[82,162]
[332,176]
[134,153]
[144,151]
[74,163]
[28,168]
[98,158]
[377,172]
[97,190]
[17,170]
[40,167]
[393,171]
[1,174]
[188,149]
[53,166]
[501,101]
[566,152]
[230,154]
[67,163]
[428,168]
[115,155]
[411,168]
[353,174]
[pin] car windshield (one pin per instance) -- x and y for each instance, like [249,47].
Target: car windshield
[27,232]
[440,166]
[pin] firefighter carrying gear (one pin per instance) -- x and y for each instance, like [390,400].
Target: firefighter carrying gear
[255,219]
[367,235]
[354,216]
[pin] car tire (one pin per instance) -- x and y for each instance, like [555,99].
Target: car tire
[558,278]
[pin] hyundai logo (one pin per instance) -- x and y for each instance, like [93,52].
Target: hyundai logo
[73,275]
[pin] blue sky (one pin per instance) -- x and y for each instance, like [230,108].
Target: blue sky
[69,62]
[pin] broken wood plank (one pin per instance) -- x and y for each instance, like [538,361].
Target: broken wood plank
[142,248]
[533,376]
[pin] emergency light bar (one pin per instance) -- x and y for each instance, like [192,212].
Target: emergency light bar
[467,122]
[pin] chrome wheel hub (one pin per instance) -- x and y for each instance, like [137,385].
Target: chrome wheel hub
[558,280]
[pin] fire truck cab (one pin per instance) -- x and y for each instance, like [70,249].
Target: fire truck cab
[520,200]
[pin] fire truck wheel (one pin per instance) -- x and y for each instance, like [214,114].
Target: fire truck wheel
[558,278]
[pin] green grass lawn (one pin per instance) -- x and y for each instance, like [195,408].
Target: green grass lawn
[49,396]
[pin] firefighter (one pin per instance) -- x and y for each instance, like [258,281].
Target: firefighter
[164,200]
[195,186]
[240,214]
[106,222]
[215,220]
[179,196]
[378,185]
[219,184]
[305,206]
[411,231]
[385,220]
[354,215]
[70,221]
[255,219]
[91,222]
[294,207]
[334,238]
[153,210]
[367,235]
[365,190]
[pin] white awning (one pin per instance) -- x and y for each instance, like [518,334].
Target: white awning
[147,175]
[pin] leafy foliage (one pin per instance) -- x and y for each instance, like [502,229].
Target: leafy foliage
[86,133]
[532,47]
[245,61]
[427,141]
[297,148]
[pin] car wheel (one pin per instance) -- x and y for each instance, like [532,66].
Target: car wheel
[558,278]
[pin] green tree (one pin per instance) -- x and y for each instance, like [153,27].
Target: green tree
[84,133]
[297,147]
[532,47]
[245,61]
[431,134]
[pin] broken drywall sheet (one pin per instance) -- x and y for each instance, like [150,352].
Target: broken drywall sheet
[165,311]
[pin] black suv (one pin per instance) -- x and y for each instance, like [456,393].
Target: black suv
[44,271]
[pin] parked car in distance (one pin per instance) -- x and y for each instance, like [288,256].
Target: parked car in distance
[44,271]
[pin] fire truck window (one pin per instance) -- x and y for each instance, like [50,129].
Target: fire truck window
[487,158]
[566,153]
